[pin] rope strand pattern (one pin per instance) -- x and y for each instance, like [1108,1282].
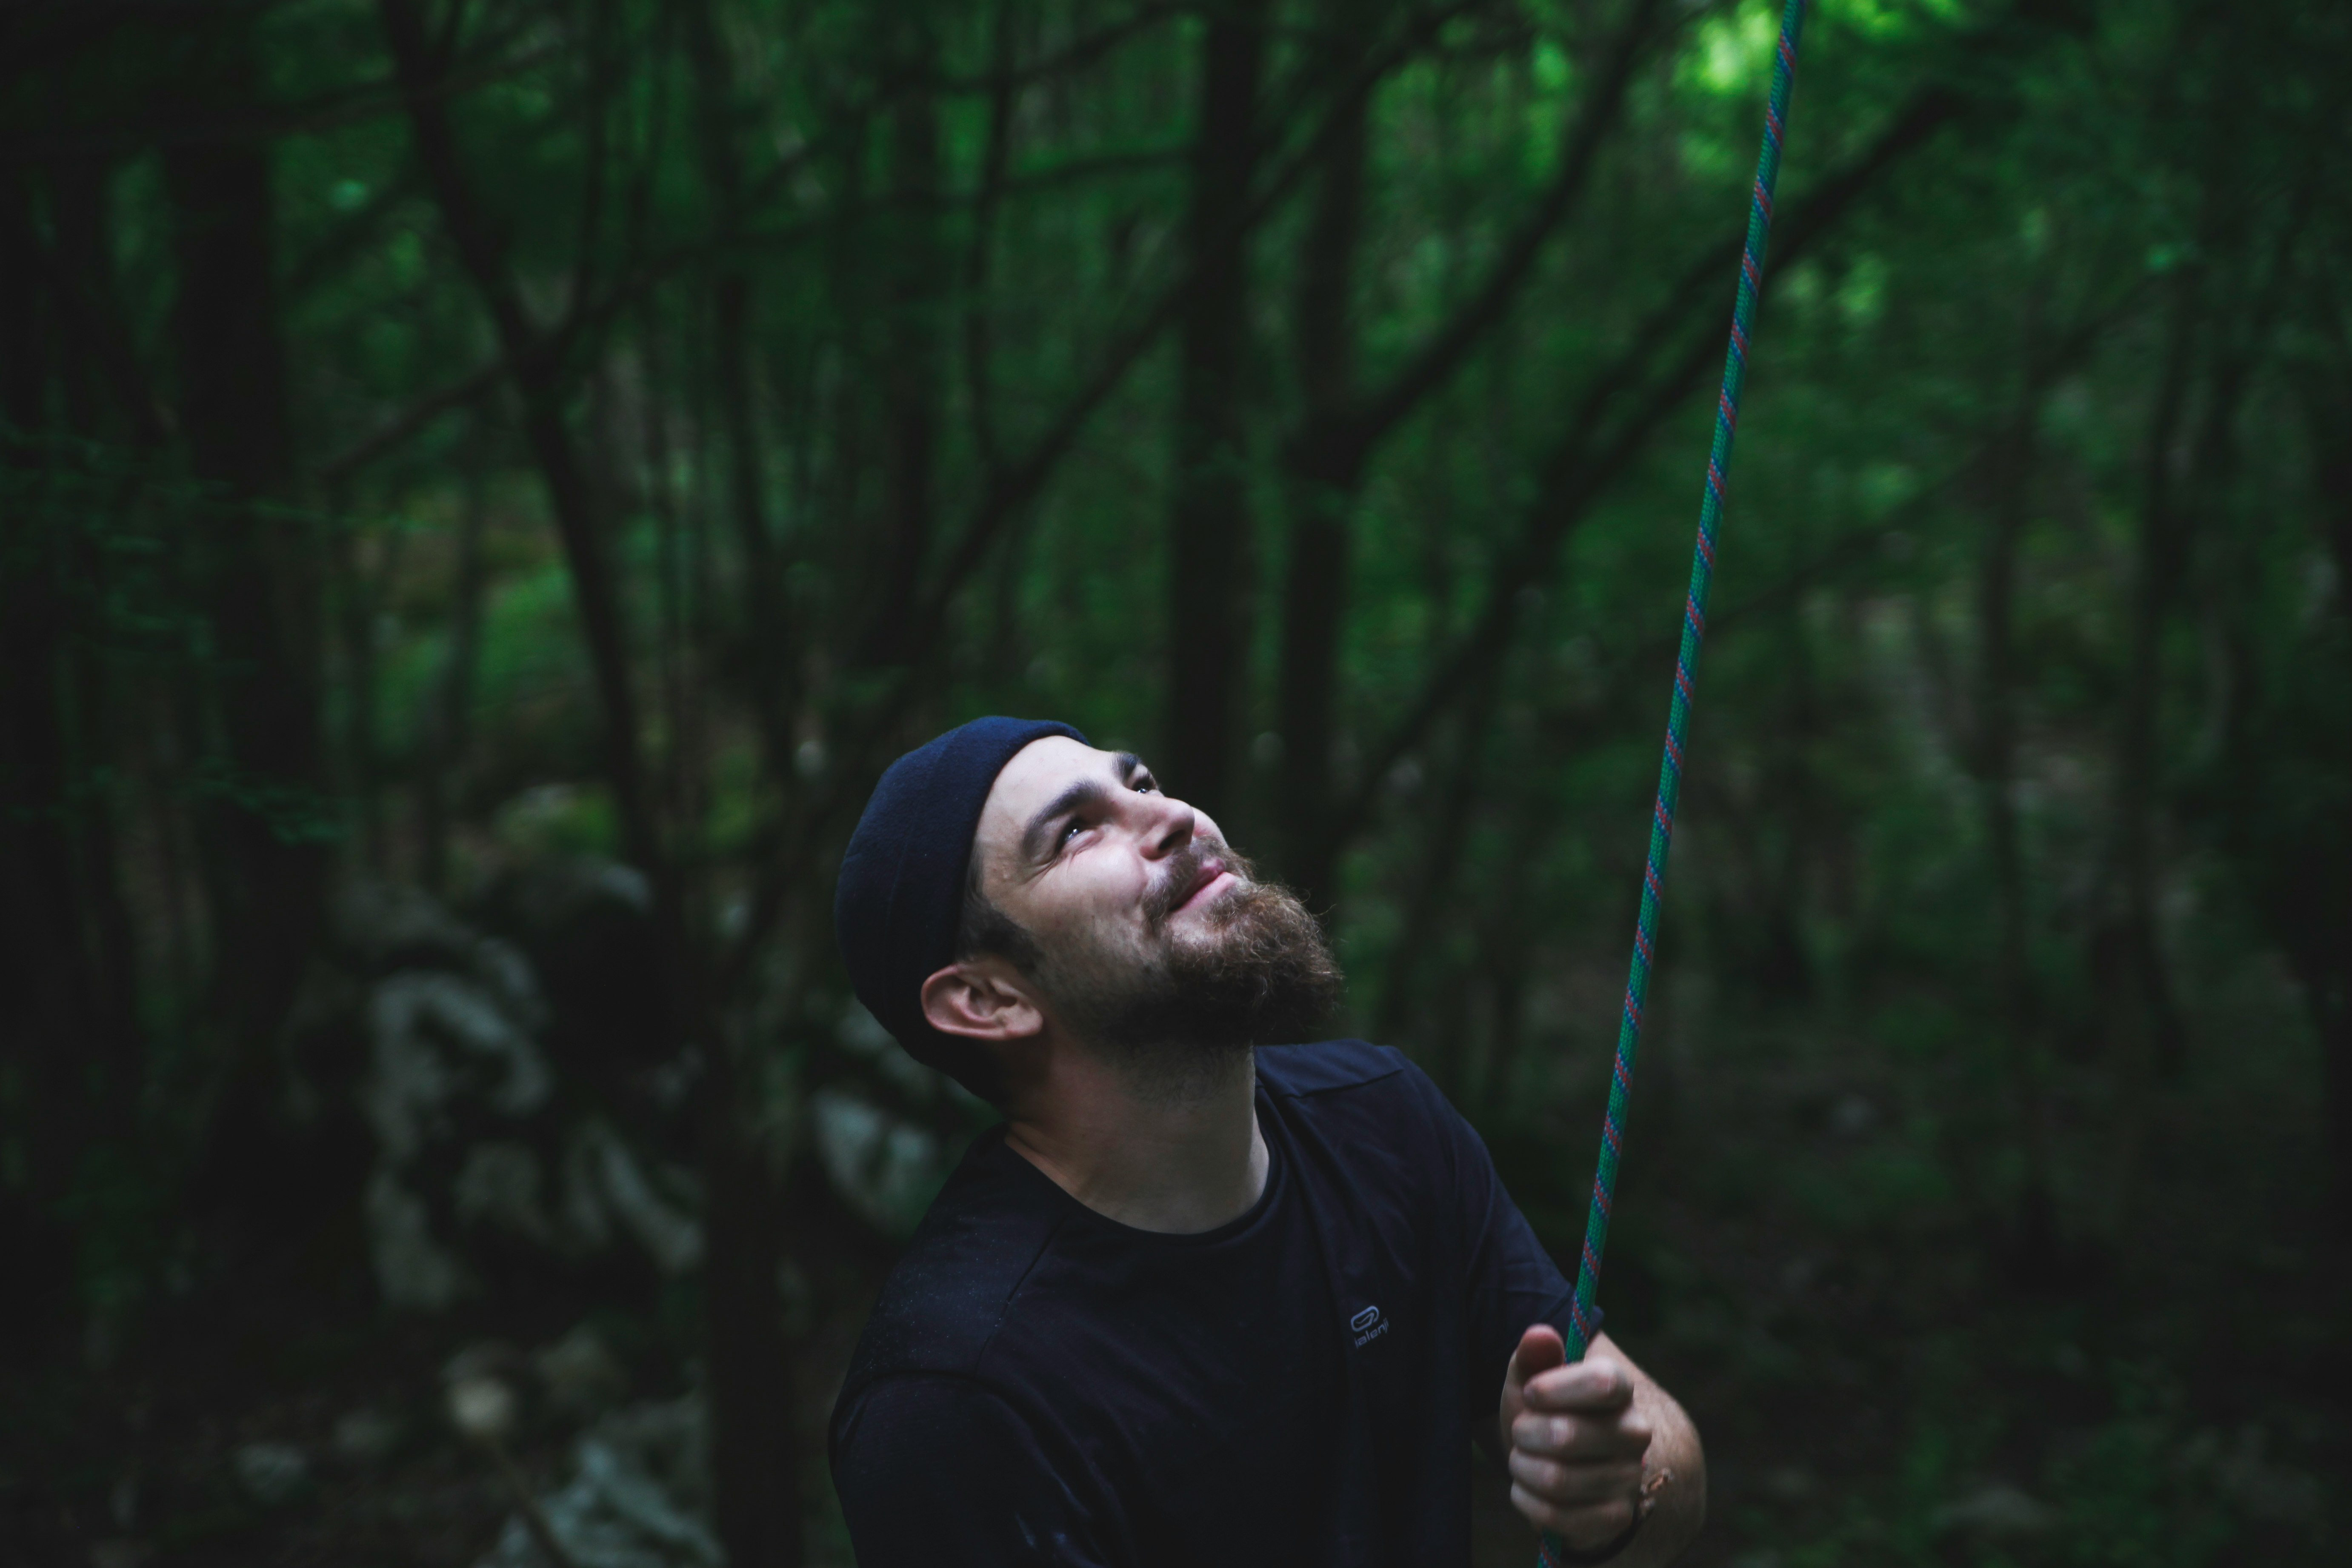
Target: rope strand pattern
[1553,1553]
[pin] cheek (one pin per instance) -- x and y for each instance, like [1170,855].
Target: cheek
[1094,894]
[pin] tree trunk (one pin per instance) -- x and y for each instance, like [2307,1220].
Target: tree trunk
[2012,461]
[534,360]
[1432,896]
[2318,923]
[754,1403]
[761,608]
[1342,428]
[913,366]
[1209,565]
[754,1398]
[1322,472]
[449,729]
[261,574]
[54,1024]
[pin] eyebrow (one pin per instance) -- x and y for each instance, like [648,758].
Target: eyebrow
[1086,791]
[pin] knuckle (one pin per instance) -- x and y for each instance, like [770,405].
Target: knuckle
[1574,1483]
[1536,1509]
[1544,1434]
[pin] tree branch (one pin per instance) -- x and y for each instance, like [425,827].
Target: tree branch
[533,360]
[1361,427]
[1579,471]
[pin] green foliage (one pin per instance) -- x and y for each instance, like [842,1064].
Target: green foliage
[685,406]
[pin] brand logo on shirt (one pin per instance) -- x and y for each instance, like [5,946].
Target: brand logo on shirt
[1367,1326]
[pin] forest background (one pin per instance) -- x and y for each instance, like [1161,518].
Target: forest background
[485,487]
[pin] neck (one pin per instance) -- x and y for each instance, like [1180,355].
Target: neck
[1175,1157]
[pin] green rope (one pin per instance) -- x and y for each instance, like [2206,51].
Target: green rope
[1554,1553]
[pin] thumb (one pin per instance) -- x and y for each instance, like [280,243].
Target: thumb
[1541,1350]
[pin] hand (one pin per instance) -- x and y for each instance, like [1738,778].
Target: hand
[1575,1441]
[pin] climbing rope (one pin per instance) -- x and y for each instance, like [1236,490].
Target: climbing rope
[1553,1553]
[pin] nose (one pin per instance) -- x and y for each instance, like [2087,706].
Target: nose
[1168,825]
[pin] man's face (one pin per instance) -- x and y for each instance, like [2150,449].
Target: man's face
[1152,932]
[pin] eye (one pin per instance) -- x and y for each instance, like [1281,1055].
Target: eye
[1145,784]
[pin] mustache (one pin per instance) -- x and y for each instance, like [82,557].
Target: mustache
[1183,874]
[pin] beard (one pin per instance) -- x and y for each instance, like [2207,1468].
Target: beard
[1184,1011]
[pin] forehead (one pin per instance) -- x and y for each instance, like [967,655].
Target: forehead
[1038,774]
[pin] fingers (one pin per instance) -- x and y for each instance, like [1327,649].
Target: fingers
[1584,1526]
[1594,1384]
[1541,1350]
[1577,1444]
[1578,1485]
[1587,1439]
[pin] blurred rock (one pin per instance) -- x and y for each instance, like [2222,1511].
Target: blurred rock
[488,1166]
[580,1374]
[450,1028]
[411,1268]
[885,1167]
[1852,1115]
[485,1358]
[1997,1511]
[2272,1493]
[478,1390]
[365,1437]
[587,924]
[482,1409]
[639,1496]
[862,1035]
[499,1186]
[272,1474]
[439,1038]
[608,1188]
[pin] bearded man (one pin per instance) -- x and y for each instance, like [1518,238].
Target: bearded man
[1206,1297]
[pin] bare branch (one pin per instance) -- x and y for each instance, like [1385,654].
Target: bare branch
[1582,467]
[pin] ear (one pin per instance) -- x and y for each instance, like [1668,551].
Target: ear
[983,998]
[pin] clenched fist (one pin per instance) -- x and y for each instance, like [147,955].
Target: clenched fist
[1576,1437]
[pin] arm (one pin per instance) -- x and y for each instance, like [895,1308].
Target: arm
[933,1469]
[1617,1431]
[1586,1441]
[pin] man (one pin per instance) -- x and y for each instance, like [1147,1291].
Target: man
[1205,1297]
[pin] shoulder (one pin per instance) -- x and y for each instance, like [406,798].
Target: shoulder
[1350,1078]
[1329,1067]
[1369,1105]
[1367,1100]
[947,1297]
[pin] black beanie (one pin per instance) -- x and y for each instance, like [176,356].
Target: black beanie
[900,896]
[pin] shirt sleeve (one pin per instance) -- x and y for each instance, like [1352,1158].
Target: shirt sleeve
[1512,1282]
[933,1469]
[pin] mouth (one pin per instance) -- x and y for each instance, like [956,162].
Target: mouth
[1212,875]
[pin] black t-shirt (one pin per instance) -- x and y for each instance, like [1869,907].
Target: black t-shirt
[1039,1384]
